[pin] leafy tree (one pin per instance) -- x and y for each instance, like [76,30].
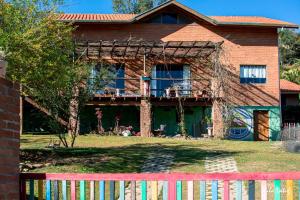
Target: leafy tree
[292,74]
[134,6]
[36,46]
[290,55]
[289,47]
[39,50]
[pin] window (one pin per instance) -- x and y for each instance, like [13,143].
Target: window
[169,76]
[119,82]
[155,20]
[183,20]
[253,74]
[169,18]
[116,74]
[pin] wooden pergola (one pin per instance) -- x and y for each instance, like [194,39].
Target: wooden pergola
[151,49]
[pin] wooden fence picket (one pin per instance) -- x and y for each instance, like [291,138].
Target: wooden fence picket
[172,185]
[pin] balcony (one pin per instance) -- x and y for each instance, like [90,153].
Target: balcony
[162,88]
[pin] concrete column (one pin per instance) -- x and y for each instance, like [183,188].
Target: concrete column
[218,124]
[145,118]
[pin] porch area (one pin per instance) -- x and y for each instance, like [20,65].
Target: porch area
[166,82]
[164,119]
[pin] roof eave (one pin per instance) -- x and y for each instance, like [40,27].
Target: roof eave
[98,21]
[258,24]
[172,2]
[214,22]
[284,91]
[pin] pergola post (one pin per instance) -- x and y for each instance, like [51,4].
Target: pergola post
[217,118]
[145,118]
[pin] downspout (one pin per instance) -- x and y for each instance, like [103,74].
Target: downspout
[280,108]
[144,63]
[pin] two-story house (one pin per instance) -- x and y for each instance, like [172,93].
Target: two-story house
[166,53]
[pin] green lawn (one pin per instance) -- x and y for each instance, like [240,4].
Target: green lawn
[119,154]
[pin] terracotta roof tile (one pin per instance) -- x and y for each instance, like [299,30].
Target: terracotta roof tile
[234,20]
[96,17]
[288,86]
[248,19]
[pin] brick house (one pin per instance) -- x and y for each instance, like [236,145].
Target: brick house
[290,103]
[159,50]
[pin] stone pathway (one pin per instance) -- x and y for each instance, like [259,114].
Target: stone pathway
[222,164]
[157,162]
[277,145]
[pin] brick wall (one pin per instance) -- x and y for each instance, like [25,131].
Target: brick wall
[242,45]
[146,118]
[9,141]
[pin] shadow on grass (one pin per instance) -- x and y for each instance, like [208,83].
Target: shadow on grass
[124,159]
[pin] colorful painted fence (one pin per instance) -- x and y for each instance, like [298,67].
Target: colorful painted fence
[83,186]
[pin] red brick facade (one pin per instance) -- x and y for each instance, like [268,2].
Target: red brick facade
[242,45]
[9,140]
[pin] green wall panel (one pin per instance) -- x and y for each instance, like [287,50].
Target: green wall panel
[245,115]
[165,116]
[194,118]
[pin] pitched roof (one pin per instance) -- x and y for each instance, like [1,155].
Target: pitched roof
[215,20]
[178,5]
[97,17]
[248,20]
[288,86]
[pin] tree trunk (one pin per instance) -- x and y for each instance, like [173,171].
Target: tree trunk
[73,128]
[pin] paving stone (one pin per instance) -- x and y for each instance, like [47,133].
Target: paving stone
[157,162]
[222,164]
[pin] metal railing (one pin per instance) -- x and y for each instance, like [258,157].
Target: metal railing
[290,137]
[179,88]
[290,131]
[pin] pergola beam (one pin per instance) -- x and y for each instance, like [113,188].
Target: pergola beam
[125,50]
[132,49]
[138,49]
[113,49]
[166,45]
[189,49]
[180,45]
[100,47]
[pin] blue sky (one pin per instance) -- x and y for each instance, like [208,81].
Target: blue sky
[287,10]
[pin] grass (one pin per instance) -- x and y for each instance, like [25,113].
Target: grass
[119,154]
[95,154]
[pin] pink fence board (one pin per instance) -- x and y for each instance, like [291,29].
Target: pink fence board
[165,176]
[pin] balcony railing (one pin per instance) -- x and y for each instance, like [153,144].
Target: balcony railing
[178,88]
[112,89]
[164,186]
